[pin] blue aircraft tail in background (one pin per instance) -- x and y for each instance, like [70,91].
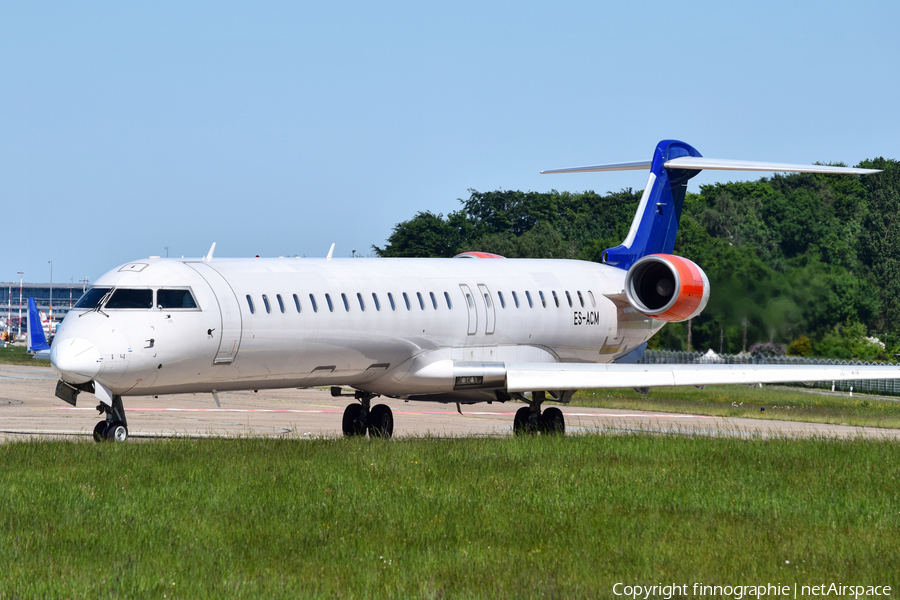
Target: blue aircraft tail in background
[36,340]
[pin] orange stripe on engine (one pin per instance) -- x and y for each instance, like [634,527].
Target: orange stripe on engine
[691,293]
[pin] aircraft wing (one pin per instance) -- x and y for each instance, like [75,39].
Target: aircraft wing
[524,377]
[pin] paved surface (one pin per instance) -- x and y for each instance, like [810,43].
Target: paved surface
[28,409]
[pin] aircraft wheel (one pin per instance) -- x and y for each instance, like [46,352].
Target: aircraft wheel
[354,422]
[100,431]
[553,422]
[117,432]
[520,422]
[381,421]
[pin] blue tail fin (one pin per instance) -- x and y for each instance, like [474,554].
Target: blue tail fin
[36,340]
[655,223]
[656,220]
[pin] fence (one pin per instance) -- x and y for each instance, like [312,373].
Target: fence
[884,387]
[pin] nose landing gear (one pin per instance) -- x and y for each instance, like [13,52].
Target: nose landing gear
[115,427]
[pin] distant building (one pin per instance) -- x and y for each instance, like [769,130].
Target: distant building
[65,295]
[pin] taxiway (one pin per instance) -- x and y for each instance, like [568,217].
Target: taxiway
[28,409]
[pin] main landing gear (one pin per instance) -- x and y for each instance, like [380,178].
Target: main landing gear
[359,418]
[114,428]
[529,419]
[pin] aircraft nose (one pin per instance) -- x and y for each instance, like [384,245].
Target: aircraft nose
[75,360]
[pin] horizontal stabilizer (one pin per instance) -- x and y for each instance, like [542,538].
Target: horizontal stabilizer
[718,164]
[625,166]
[525,377]
[697,163]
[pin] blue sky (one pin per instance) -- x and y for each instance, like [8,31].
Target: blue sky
[279,128]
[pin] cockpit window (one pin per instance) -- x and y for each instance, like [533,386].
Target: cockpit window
[92,298]
[175,299]
[129,298]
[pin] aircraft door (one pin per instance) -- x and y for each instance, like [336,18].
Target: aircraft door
[470,307]
[489,307]
[229,312]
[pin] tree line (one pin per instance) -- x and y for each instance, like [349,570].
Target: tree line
[804,264]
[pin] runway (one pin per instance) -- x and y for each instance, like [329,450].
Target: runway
[29,410]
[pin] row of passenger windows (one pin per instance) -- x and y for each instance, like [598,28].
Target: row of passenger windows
[419,299]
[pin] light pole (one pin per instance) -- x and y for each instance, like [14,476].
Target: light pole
[84,284]
[71,283]
[9,312]
[21,273]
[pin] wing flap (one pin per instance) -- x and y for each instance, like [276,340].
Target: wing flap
[525,377]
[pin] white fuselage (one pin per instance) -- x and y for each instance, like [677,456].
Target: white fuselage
[380,325]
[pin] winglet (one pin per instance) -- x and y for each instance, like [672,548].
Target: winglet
[209,256]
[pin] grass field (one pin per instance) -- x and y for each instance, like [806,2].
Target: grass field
[535,517]
[16,355]
[784,404]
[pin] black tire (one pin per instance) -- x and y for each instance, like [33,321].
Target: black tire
[354,422]
[100,431]
[117,432]
[520,422]
[381,421]
[553,422]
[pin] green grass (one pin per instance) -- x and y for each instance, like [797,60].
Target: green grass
[742,401]
[16,355]
[536,517]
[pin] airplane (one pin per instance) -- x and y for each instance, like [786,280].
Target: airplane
[36,342]
[48,326]
[474,328]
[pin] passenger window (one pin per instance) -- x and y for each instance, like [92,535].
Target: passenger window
[581,299]
[297,302]
[346,303]
[487,300]
[250,304]
[312,300]
[502,301]
[280,302]
[433,300]
[516,299]
[375,300]
[362,305]
[266,302]
[528,295]
[543,300]
[92,298]
[328,301]
[555,298]
[175,299]
[421,302]
[391,300]
[406,299]
[591,296]
[569,298]
[470,301]
[447,298]
[125,298]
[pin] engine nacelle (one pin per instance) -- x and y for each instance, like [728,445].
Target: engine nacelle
[667,287]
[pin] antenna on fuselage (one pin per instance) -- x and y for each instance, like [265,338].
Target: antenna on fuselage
[330,252]
[211,250]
